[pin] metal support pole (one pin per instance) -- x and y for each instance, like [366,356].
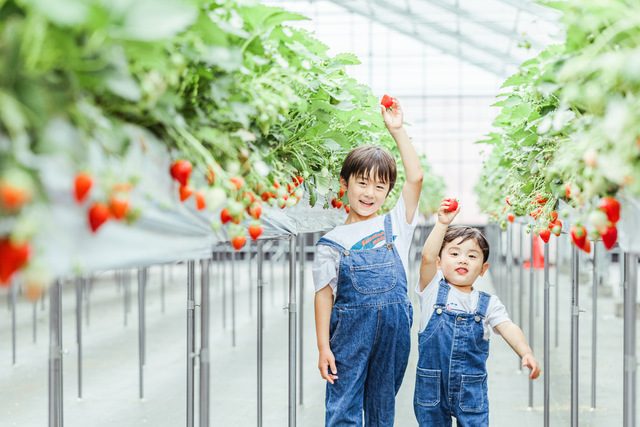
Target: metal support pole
[125,287]
[204,343]
[87,287]
[521,284]
[233,298]
[55,355]
[630,361]
[531,331]
[142,279]
[301,320]
[223,256]
[509,266]
[557,285]
[35,303]
[248,255]
[162,286]
[547,359]
[260,342]
[575,312]
[191,341]
[594,323]
[293,311]
[14,291]
[79,285]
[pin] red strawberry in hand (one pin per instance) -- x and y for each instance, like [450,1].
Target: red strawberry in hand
[12,258]
[82,185]
[610,236]
[181,171]
[98,215]
[386,101]
[453,204]
[579,235]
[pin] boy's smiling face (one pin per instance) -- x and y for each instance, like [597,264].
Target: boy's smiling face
[461,263]
[366,196]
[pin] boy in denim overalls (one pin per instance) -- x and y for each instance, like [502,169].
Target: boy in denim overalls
[364,335]
[455,324]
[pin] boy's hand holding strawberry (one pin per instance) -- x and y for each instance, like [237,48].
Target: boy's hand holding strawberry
[393,116]
[448,210]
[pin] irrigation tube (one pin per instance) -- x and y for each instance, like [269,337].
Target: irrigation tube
[547,359]
[293,311]
[575,323]
[630,361]
[55,355]
[204,342]
[260,342]
[191,335]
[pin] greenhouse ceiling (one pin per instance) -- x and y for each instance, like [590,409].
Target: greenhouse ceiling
[488,33]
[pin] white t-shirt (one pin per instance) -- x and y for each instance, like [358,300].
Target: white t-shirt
[458,301]
[362,235]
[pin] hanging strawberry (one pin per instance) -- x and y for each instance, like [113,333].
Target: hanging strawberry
[119,205]
[225,215]
[255,230]
[200,200]
[511,217]
[609,237]
[185,192]
[82,184]
[545,233]
[181,171]
[611,207]
[12,258]
[579,235]
[16,189]
[98,215]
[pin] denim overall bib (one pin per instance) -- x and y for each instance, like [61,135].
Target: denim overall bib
[451,378]
[369,334]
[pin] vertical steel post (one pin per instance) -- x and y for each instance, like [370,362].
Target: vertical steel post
[575,312]
[630,360]
[35,303]
[521,284]
[531,330]
[204,343]
[233,298]
[79,284]
[250,278]
[260,342]
[55,355]
[594,324]
[509,266]
[557,285]
[293,311]
[547,360]
[301,320]
[142,278]
[223,255]
[162,286]
[14,291]
[191,306]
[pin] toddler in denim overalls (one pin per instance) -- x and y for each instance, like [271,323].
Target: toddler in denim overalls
[451,377]
[364,335]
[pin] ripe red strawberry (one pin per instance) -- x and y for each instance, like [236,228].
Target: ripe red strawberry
[541,200]
[185,192]
[386,101]
[338,204]
[511,217]
[610,236]
[453,204]
[237,182]
[347,208]
[556,227]
[567,189]
[579,235]
[200,202]
[119,206]
[255,231]
[82,185]
[12,258]
[536,213]
[238,242]
[98,215]
[554,216]
[545,233]
[341,193]
[508,202]
[181,171]
[16,189]
[298,179]
[611,207]
[587,246]
[255,210]
[225,216]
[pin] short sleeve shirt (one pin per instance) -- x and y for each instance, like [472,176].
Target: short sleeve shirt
[458,301]
[362,235]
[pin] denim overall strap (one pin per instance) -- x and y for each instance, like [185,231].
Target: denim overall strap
[325,241]
[388,230]
[443,294]
[483,304]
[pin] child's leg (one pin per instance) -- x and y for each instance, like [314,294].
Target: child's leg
[389,357]
[351,343]
[471,405]
[431,409]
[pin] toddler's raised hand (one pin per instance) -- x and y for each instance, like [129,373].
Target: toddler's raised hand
[328,361]
[448,210]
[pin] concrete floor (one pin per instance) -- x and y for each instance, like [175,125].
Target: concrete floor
[110,358]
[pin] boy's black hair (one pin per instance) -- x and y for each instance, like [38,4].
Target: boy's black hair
[465,232]
[366,159]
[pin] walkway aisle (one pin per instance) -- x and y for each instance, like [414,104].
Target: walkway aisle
[110,393]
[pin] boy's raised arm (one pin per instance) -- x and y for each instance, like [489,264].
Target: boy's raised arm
[393,119]
[431,248]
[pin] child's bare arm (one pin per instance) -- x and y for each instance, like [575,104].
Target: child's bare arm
[323,306]
[514,336]
[393,119]
[431,248]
